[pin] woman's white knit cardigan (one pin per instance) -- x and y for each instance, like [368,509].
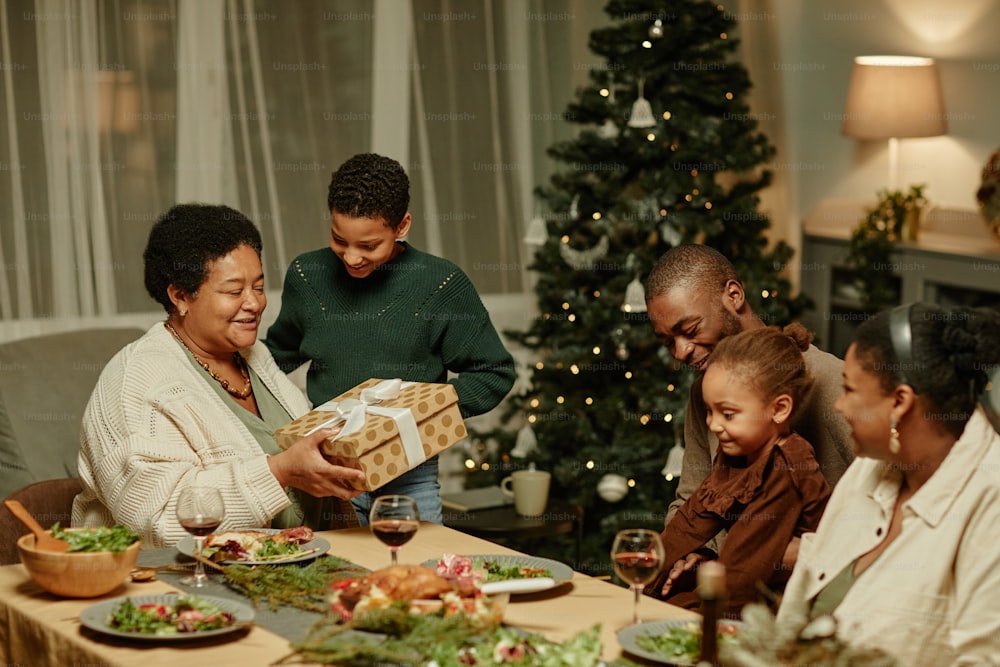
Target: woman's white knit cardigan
[154,425]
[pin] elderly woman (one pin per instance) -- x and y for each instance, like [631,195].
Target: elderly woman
[196,399]
[906,556]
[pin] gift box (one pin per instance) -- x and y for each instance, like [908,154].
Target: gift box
[387,427]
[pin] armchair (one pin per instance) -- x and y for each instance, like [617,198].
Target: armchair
[45,383]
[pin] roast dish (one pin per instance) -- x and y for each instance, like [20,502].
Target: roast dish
[418,588]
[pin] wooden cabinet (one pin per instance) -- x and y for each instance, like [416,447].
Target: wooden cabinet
[954,261]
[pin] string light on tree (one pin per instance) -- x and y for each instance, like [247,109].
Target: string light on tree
[609,130]
[643,212]
[620,338]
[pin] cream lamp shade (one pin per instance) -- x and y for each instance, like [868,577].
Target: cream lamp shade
[894,97]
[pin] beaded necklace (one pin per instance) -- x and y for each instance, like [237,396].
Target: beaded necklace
[237,359]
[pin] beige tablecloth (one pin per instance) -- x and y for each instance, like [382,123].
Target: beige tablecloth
[37,628]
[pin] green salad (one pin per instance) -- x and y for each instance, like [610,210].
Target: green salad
[115,539]
[503,646]
[188,614]
[683,643]
[428,640]
[497,571]
[269,548]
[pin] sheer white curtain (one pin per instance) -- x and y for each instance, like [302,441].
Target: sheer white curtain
[113,110]
[18,239]
[205,154]
[80,256]
[87,106]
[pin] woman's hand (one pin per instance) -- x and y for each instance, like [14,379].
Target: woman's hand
[303,467]
[683,565]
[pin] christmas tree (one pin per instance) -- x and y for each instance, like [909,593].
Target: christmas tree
[667,152]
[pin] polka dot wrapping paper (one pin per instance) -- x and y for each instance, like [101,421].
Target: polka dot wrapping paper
[378,449]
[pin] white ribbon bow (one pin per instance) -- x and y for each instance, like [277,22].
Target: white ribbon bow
[354,412]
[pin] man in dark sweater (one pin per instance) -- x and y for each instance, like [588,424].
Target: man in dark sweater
[695,299]
[372,306]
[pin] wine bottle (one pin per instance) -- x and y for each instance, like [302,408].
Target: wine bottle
[712,591]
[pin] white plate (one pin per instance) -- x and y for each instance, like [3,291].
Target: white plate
[627,639]
[561,573]
[186,547]
[96,616]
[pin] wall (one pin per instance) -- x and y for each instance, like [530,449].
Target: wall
[818,43]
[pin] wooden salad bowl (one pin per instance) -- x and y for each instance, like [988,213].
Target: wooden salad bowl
[77,574]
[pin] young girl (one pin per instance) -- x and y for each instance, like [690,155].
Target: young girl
[765,486]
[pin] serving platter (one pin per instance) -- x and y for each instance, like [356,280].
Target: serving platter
[561,573]
[96,617]
[310,550]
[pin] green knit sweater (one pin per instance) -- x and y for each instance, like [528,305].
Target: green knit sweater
[416,318]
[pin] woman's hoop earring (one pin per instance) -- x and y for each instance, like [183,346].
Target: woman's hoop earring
[894,444]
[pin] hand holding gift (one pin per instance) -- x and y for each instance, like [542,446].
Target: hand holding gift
[387,428]
[303,466]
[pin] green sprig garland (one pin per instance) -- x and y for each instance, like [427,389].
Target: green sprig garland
[305,587]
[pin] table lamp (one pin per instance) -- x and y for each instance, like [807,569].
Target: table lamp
[894,97]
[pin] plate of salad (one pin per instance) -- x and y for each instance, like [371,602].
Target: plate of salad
[167,617]
[502,573]
[671,642]
[261,546]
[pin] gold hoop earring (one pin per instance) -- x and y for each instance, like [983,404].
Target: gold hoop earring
[894,445]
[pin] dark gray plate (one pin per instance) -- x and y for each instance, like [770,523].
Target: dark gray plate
[96,617]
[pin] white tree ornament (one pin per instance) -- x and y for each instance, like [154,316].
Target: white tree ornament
[584,260]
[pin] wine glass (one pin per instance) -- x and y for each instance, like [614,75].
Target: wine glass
[637,554]
[394,520]
[199,510]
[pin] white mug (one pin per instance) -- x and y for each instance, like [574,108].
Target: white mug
[530,492]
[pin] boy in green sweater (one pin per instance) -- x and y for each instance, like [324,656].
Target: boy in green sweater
[372,306]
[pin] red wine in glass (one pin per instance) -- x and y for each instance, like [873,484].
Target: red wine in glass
[394,533]
[394,520]
[637,555]
[199,511]
[637,567]
[201,526]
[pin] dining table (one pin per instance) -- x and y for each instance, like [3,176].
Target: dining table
[38,628]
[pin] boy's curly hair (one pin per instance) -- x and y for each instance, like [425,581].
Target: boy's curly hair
[370,186]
